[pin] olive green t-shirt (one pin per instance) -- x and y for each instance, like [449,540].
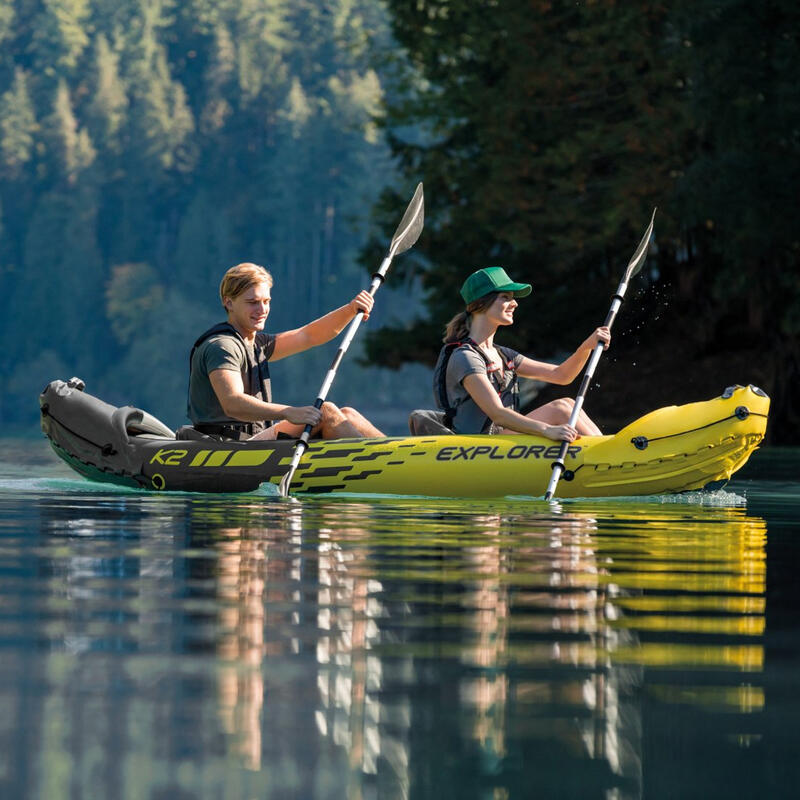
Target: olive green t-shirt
[221,351]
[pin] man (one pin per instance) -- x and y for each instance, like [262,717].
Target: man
[230,395]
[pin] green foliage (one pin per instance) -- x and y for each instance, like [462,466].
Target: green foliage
[738,195]
[59,304]
[17,127]
[148,145]
[69,149]
[132,294]
[168,323]
[546,132]
[60,35]
[107,109]
[538,133]
[6,19]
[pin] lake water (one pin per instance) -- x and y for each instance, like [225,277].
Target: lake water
[240,647]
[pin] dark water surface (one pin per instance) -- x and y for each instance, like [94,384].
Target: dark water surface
[244,646]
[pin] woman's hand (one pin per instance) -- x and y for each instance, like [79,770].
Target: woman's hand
[601,334]
[302,415]
[560,433]
[363,301]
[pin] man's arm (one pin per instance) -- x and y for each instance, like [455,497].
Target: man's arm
[321,330]
[237,404]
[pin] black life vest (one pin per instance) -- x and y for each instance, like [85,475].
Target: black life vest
[257,382]
[505,382]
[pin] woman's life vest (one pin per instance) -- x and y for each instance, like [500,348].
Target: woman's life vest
[504,380]
[257,382]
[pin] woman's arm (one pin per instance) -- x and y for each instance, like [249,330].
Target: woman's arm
[487,399]
[236,404]
[570,368]
[321,330]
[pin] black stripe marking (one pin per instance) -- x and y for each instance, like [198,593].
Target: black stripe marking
[324,489]
[365,474]
[373,456]
[326,472]
[337,453]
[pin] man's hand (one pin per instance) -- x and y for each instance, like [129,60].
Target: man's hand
[363,301]
[302,415]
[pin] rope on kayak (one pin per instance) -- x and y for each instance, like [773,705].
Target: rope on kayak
[105,449]
[742,412]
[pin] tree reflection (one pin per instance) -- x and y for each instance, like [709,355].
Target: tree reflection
[339,648]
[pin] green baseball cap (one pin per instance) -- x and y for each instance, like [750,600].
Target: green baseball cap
[491,279]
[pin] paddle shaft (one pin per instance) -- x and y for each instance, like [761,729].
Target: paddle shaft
[558,464]
[634,265]
[302,442]
[377,280]
[405,237]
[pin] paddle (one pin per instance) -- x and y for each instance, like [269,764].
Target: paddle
[405,236]
[634,265]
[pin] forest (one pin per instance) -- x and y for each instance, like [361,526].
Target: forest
[147,145]
[547,132]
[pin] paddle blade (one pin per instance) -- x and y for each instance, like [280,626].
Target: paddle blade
[410,226]
[639,256]
[286,482]
[299,449]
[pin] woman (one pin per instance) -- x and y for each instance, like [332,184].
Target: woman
[475,381]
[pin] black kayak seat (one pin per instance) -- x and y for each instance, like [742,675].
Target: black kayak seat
[130,421]
[426,422]
[191,434]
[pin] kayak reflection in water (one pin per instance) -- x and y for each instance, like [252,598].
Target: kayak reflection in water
[475,381]
[230,396]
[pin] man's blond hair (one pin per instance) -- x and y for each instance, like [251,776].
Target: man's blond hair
[240,278]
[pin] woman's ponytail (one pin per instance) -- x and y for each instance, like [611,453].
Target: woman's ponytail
[457,329]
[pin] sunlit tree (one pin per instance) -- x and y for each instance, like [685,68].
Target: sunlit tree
[17,127]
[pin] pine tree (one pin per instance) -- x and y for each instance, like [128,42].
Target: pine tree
[6,20]
[738,191]
[132,293]
[107,110]
[546,132]
[17,127]
[219,83]
[54,317]
[161,120]
[69,149]
[737,195]
[64,273]
[260,32]
[186,137]
[60,34]
[203,247]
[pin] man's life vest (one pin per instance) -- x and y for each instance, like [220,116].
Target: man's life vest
[504,381]
[257,381]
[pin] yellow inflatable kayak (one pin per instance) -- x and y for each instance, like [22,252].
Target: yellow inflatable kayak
[672,449]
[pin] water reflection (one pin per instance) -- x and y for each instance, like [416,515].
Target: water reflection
[244,647]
